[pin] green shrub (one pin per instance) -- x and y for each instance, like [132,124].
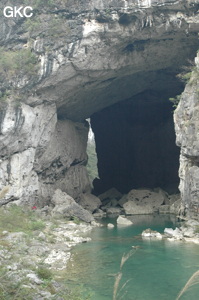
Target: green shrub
[44,273]
[37,225]
[54,26]
[175,101]
[19,62]
[185,76]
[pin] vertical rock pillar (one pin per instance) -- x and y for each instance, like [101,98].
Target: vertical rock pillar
[186,118]
[39,154]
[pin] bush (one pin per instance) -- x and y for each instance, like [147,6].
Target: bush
[54,26]
[44,273]
[37,225]
[15,63]
[175,101]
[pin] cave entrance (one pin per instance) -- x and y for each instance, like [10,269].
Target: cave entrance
[135,144]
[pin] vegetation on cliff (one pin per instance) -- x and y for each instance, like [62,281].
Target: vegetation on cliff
[17,62]
[16,66]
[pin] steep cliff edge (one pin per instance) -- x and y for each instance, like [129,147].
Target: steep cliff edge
[69,61]
[187,137]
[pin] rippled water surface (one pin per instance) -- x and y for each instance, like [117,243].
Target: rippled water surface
[157,271]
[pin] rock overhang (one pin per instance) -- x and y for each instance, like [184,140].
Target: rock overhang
[113,51]
[113,61]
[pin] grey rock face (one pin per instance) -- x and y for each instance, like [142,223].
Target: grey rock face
[40,154]
[23,131]
[187,127]
[99,49]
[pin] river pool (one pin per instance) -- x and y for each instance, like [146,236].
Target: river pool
[156,271]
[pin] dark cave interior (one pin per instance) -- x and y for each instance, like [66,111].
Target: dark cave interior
[135,143]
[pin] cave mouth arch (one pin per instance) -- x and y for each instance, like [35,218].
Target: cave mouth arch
[135,143]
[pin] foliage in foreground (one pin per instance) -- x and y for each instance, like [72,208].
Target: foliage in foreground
[118,292]
[193,280]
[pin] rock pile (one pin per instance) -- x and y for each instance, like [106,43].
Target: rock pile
[189,232]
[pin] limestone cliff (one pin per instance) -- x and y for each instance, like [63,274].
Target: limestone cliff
[187,133]
[71,60]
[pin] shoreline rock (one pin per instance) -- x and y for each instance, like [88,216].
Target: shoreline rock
[149,233]
[122,220]
[47,249]
[188,232]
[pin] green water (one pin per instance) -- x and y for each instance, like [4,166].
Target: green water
[157,271]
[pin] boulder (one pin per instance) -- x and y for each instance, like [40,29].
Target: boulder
[110,194]
[110,225]
[189,232]
[122,200]
[142,202]
[121,220]
[105,207]
[164,209]
[163,193]
[113,211]
[99,214]
[89,202]
[177,233]
[149,233]
[66,206]
[61,198]
[73,210]
[114,202]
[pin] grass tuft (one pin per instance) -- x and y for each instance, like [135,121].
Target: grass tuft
[116,290]
[192,281]
[44,273]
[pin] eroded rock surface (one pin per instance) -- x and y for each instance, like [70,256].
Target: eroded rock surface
[40,154]
[143,202]
[187,128]
[89,55]
[65,206]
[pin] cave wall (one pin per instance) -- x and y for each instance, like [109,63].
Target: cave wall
[187,138]
[101,53]
[40,153]
[135,144]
